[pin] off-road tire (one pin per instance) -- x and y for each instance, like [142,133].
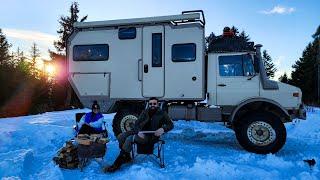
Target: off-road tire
[117,125]
[242,129]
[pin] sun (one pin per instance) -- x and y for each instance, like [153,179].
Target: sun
[50,69]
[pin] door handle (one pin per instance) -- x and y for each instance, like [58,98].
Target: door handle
[222,85]
[145,68]
[140,69]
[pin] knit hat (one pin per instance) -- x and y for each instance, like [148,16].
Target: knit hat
[95,105]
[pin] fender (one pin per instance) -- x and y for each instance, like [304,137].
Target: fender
[258,99]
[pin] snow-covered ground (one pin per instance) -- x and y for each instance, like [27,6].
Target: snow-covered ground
[193,150]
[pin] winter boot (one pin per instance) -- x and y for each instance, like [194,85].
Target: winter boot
[123,158]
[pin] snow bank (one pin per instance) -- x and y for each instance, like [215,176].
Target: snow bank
[193,150]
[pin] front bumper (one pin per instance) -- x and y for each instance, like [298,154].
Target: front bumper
[300,113]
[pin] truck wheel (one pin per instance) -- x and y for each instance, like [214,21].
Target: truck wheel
[261,133]
[123,121]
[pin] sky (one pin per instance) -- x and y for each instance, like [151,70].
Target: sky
[284,28]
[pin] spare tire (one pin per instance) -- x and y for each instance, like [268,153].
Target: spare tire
[123,121]
[261,133]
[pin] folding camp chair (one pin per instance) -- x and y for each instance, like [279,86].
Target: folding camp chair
[148,149]
[92,150]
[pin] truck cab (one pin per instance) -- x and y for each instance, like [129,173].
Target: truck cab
[236,76]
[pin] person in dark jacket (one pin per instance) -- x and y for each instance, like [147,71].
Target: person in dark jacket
[92,122]
[151,119]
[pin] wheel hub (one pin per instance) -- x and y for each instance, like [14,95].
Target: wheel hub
[127,122]
[261,133]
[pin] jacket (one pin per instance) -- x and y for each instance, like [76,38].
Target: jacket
[159,120]
[96,122]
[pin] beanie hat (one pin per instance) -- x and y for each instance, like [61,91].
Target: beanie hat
[95,105]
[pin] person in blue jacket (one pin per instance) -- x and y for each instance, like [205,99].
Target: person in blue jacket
[92,122]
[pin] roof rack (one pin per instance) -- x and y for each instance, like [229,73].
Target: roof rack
[185,17]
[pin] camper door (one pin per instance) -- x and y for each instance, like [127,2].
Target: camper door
[153,61]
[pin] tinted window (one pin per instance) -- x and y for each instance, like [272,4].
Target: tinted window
[237,65]
[127,33]
[183,52]
[156,50]
[95,52]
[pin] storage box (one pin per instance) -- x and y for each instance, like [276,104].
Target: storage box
[182,112]
[209,114]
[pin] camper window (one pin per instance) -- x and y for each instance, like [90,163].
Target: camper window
[183,52]
[127,33]
[156,50]
[94,52]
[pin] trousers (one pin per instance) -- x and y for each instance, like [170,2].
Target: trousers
[126,139]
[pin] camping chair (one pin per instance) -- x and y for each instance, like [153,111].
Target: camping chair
[148,150]
[90,151]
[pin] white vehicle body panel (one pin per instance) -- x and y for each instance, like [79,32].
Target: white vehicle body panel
[284,95]
[127,57]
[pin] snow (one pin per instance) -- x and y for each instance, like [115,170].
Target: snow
[193,150]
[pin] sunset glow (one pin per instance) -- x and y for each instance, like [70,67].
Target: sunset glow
[50,69]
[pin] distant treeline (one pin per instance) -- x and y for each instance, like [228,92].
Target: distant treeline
[26,89]
[306,71]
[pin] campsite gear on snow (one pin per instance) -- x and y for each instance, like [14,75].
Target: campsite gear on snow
[93,146]
[67,156]
[77,153]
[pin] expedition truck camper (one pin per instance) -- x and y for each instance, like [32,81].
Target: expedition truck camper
[121,63]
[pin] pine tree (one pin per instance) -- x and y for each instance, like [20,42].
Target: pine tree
[316,37]
[34,54]
[268,64]
[4,49]
[235,30]
[64,31]
[317,33]
[244,36]
[66,27]
[284,78]
[209,38]
[304,74]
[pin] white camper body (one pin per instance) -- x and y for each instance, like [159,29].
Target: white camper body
[122,63]
[142,65]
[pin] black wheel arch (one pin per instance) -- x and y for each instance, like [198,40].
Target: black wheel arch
[128,105]
[258,105]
